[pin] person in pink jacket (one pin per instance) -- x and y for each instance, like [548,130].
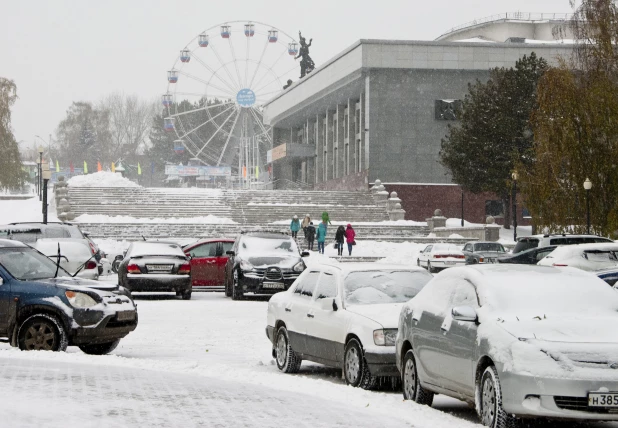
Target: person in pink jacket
[349,238]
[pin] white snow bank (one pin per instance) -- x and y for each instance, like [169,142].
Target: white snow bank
[25,210]
[101,218]
[101,179]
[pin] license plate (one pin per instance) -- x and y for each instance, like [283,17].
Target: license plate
[603,399]
[449,263]
[159,268]
[273,285]
[125,316]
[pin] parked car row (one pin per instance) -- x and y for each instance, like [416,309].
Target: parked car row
[514,341]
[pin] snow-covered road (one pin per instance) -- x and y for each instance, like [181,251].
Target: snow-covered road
[203,362]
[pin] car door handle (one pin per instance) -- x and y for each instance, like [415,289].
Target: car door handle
[310,315]
[288,310]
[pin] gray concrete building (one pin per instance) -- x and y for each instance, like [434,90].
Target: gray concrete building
[380,108]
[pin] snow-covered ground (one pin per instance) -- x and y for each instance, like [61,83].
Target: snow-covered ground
[102,218]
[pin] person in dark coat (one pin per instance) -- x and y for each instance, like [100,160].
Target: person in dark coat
[310,235]
[350,235]
[339,238]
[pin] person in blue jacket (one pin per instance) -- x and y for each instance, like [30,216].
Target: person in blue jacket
[321,236]
[295,226]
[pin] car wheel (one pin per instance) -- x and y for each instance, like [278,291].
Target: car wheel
[186,295]
[42,332]
[412,389]
[100,348]
[429,268]
[237,293]
[490,409]
[288,361]
[228,290]
[418,262]
[355,368]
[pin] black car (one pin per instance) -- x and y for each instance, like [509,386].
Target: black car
[262,263]
[528,257]
[156,266]
[43,308]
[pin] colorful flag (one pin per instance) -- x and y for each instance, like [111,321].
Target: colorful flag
[57,166]
[113,167]
[139,169]
[85,168]
[257,171]
[99,167]
[244,171]
[71,167]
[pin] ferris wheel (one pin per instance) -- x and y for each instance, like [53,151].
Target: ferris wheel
[216,90]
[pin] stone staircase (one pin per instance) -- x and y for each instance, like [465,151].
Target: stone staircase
[247,207]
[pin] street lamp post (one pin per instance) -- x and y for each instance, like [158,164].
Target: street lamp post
[462,207]
[40,180]
[515,176]
[587,186]
[46,177]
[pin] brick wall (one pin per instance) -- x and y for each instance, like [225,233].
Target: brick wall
[421,200]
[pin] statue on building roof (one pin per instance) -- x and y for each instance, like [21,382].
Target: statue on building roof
[306,63]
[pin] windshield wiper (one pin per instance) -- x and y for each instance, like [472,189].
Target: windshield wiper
[58,261]
[79,269]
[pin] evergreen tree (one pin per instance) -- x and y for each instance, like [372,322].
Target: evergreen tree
[494,134]
[11,174]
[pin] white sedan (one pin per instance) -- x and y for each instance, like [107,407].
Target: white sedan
[343,316]
[588,257]
[76,255]
[440,256]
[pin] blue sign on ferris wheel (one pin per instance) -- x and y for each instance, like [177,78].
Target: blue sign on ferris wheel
[245,98]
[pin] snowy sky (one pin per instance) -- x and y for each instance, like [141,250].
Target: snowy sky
[74,50]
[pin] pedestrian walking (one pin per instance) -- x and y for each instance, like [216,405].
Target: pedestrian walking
[310,236]
[321,236]
[325,218]
[350,236]
[295,226]
[339,238]
[305,224]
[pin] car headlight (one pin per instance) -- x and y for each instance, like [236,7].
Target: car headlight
[299,267]
[80,300]
[245,265]
[385,337]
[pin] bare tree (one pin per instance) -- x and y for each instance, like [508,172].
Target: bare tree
[130,119]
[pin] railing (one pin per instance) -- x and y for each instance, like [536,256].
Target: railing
[519,16]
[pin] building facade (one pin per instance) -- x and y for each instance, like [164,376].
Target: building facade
[380,109]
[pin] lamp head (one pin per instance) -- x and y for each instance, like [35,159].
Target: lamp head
[515,175]
[41,149]
[47,174]
[587,184]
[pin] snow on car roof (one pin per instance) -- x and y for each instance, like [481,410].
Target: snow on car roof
[371,266]
[529,289]
[145,248]
[8,243]
[580,248]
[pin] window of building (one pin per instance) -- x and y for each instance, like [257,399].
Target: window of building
[494,208]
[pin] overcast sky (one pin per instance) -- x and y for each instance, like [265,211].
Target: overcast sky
[60,51]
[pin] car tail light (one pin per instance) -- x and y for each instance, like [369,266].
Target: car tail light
[133,269]
[91,265]
[184,269]
[559,265]
[438,256]
[459,257]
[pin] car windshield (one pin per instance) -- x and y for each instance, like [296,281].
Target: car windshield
[445,247]
[73,250]
[28,264]
[539,293]
[141,249]
[373,287]
[601,255]
[254,246]
[489,247]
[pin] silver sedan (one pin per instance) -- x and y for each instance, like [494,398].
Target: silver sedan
[516,341]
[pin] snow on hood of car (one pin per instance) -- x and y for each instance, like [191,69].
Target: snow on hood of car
[269,261]
[385,314]
[79,282]
[566,329]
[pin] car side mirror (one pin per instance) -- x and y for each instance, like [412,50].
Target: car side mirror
[327,304]
[118,257]
[464,313]
[335,307]
[305,254]
[230,253]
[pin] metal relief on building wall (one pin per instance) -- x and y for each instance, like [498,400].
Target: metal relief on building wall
[448,109]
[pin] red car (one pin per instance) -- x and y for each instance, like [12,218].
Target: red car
[208,261]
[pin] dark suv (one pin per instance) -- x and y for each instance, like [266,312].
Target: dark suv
[43,308]
[539,241]
[262,263]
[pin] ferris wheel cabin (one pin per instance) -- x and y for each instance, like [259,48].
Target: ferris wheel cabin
[293,48]
[226,30]
[249,30]
[179,147]
[185,55]
[203,40]
[273,36]
[168,124]
[166,99]
[172,76]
